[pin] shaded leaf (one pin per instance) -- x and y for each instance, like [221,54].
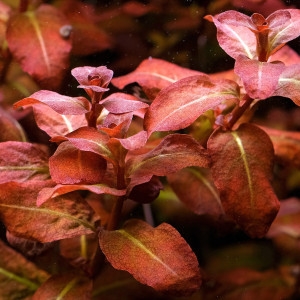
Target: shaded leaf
[19,278]
[289,84]
[260,79]
[66,286]
[68,165]
[242,169]
[55,124]
[63,105]
[59,218]
[52,192]
[181,103]
[153,75]
[23,161]
[46,57]
[175,152]
[166,262]
[195,188]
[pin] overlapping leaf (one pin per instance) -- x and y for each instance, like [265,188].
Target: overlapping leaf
[68,286]
[23,161]
[153,75]
[241,169]
[46,56]
[68,165]
[195,188]
[59,218]
[55,124]
[260,79]
[289,84]
[19,278]
[175,152]
[165,260]
[181,103]
[61,104]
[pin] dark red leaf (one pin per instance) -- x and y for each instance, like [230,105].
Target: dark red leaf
[165,260]
[242,169]
[34,39]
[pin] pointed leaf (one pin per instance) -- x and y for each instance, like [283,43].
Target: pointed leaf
[45,55]
[59,218]
[287,55]
[153,75]
[48,193]
[23,161]
[180,104]
[68,165]
[19,278]
[195,188]
[134,142]
[63,105]
[55,124]
[119,103]
[165,260]
[175,152]
[241,169]
[289,84]
[67,286]
[260,79]
[234,38]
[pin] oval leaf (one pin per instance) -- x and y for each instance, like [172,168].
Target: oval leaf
[241,169]
[165,260]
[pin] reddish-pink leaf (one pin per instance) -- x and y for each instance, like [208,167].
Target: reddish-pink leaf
[61,104]
[195,188]
[289,83]
[34,39]
[69,165]
[260,79]
[59,218]
[241,169]
[55,124]
[153,75]
[52,192]
[181,103]
[287,55]
[175,152]
[119,103]
[67,286]
[23,161]
[11,130]
[165,260]
[116,119]
[135,141]
[18,276]
[235,38]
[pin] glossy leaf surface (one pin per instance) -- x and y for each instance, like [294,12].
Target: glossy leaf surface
[242,169]
[165,260]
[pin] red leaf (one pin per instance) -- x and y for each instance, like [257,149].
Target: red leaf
[134,142]
[181,103]
[35,41]
[119,103]
[260,79]
[69,165]
[195,188]
[61,104]
[48,193]
[165,260]
[287,55]
[59,218]
[175,152]
[241,169]
[289,84]
[22,161]
[66,286]
[55,124]
[11,130]
[153,75]
[18,276]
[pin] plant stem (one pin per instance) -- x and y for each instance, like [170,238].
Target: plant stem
[238,112]
[95,112]
[7,60]
[23,5]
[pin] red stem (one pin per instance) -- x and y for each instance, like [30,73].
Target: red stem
[23,5]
